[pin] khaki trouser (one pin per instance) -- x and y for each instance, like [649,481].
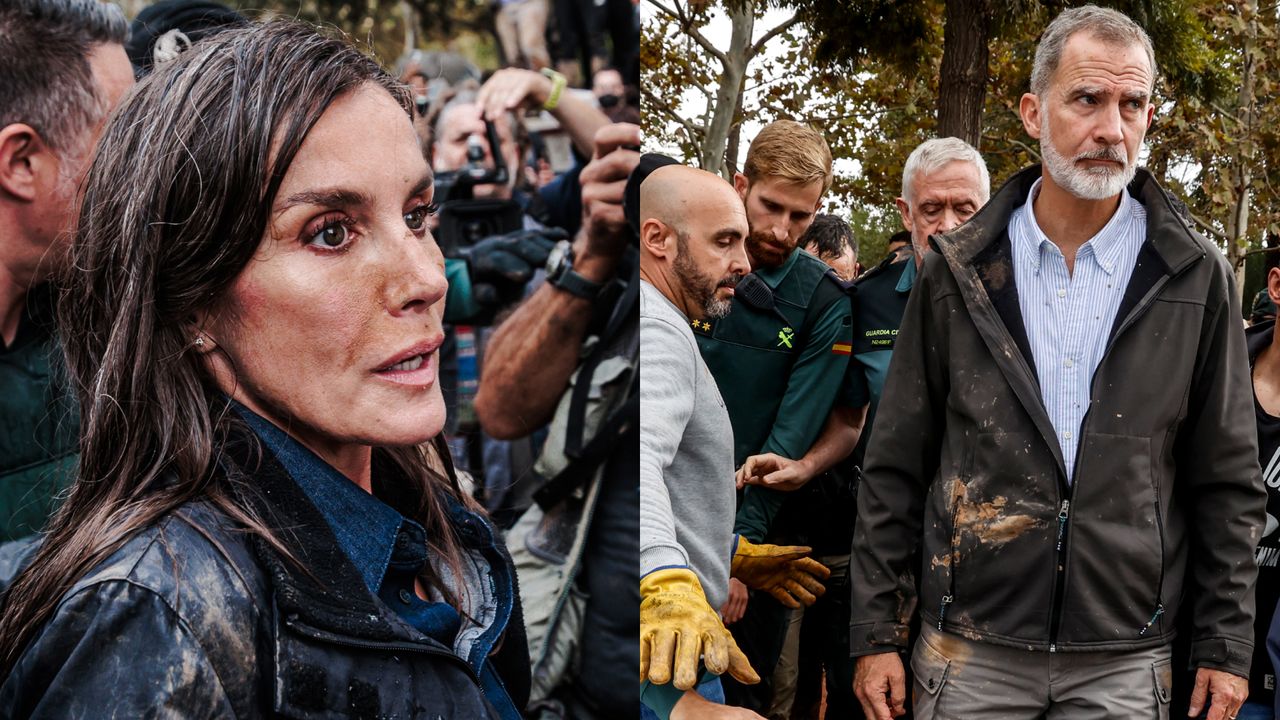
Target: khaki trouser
[959,678]
[522,30]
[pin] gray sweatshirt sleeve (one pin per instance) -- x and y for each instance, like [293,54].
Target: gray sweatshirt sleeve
[667,391]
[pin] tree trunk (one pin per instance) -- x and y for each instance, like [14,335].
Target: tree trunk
[742,21]
[1242,173]
[962,87]
[735,137]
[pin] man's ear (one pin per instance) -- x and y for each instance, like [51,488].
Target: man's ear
[24,157]
[905,211]
[741,184]
[1030,111]
[1273,284]
[655,239]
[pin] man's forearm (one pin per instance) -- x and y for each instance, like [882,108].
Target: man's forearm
[581,121]
[528,362]
[838,439]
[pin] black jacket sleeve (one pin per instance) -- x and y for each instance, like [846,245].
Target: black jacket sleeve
[902,459]
[1221,487]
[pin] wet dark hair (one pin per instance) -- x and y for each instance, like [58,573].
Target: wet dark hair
[176,202]
[829,236]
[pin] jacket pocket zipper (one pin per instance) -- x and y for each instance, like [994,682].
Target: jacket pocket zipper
[1155,615]
[328,637]
[955,560]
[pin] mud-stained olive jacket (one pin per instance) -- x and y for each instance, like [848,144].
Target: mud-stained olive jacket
[195,618]
[965,487]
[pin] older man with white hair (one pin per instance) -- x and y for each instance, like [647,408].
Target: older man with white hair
[944,182]
[1065,460]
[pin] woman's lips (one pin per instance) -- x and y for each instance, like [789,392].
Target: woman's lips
[419,370]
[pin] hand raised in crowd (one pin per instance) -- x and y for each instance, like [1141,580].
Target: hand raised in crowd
[1225,691]
[604,179]
[880,682]
[678,627]
[736,606]
[773,471]
[513,88]
[784,571]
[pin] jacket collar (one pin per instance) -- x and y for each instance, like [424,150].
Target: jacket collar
[1172,239]
[980,258]
[327,591]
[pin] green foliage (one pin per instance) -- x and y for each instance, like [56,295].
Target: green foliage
[867,74]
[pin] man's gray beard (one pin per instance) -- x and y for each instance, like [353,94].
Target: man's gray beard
[1098,183]
[715,308]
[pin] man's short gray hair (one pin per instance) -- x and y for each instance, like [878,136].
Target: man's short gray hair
[1109,26]
[932,155]
[45,77]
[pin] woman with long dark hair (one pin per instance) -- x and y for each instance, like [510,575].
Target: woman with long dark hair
[265,520]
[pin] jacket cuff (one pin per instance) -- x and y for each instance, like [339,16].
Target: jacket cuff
[662,556]
[879,637]
[1232,656]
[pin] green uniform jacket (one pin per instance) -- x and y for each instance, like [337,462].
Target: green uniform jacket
[882,299]
[779,380]
[38,422]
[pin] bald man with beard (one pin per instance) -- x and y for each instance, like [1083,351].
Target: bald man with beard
[692,231]
[691,256]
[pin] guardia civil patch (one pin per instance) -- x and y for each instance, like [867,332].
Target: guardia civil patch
[785,336]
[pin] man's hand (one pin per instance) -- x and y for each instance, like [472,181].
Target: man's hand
[510,89]
[604,179]
[695,707]
[1226,691]
[736,606]
[501,265]
[773,471]
[784,571]
[673,609]
[880,683]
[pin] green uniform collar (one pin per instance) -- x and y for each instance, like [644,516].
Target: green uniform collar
[908,277]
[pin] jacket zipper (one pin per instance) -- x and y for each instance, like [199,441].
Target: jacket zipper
[374,645]
[1059,584]
[1159,605]
[955,560]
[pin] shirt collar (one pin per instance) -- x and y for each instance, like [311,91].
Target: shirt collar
[365,527]
[908,276]
[1106,246]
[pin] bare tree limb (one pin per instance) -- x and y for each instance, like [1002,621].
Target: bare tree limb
[695,132]
[1016,143]
[1206,227]
[758,45]
[686,24]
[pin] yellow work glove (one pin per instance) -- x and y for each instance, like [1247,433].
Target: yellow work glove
[677,626]
[784,571]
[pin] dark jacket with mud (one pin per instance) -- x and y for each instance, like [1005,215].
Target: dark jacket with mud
[965,488]
[196,618]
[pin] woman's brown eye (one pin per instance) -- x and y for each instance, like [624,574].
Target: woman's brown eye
[331,235]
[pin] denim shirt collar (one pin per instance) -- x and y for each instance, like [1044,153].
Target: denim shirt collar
[365,527]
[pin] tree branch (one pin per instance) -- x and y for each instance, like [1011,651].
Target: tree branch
[686,24]
[1017,143]
[764,39]
[695,132]
[1206,227]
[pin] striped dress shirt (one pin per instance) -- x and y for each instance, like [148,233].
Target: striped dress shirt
[1068,316]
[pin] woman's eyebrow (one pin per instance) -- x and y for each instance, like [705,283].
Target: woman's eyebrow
[327,197]
[424,183]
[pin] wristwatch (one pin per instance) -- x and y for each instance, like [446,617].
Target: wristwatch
[560,273]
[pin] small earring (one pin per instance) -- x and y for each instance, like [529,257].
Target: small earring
[199,341]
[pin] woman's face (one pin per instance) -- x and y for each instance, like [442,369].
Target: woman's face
[332,331]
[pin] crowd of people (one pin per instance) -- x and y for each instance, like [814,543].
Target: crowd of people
[318,371]
[1022,467]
